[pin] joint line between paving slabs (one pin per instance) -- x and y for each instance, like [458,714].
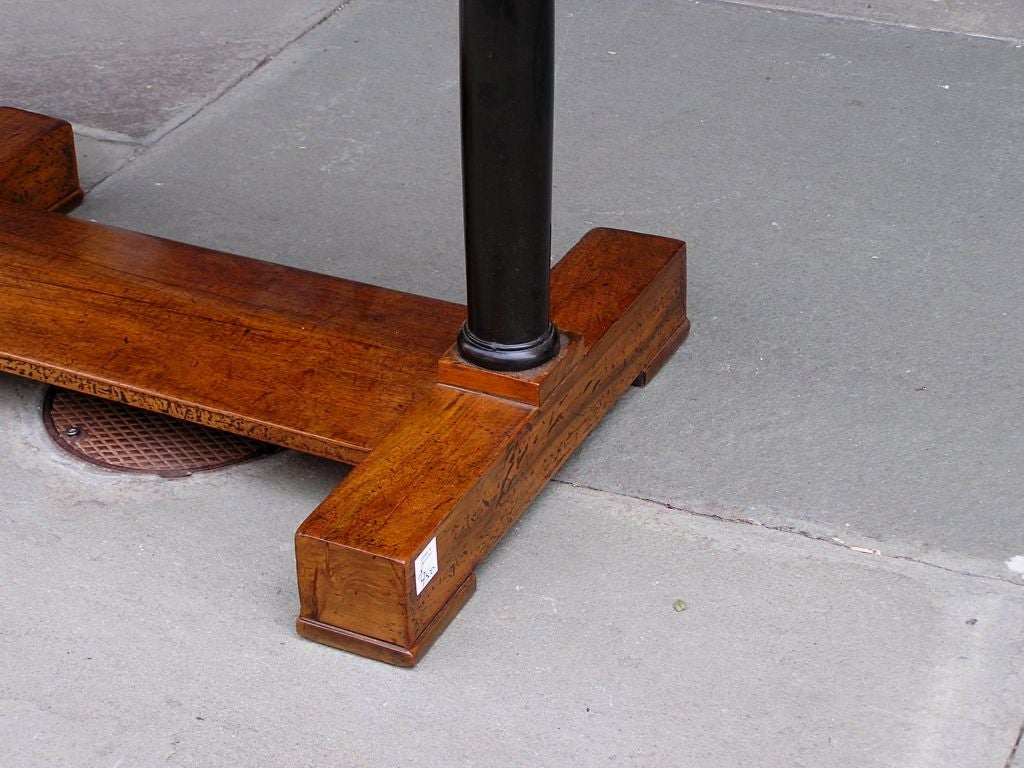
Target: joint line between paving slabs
[176,123]
[783,8]
[153,138]
[823,538]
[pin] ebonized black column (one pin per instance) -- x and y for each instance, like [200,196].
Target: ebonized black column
[507,87]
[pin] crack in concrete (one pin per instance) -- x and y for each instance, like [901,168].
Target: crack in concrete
[823,538]
[149,141]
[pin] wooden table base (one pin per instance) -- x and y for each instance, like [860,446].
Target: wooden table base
[449,455]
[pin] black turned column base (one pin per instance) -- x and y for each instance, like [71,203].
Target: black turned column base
[508,357]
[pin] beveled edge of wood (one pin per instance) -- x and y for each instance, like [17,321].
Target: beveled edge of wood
[380,650]
[530,387]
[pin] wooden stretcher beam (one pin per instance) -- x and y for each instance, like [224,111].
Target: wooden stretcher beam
[311,362]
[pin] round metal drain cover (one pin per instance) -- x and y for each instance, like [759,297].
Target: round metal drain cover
[117,436]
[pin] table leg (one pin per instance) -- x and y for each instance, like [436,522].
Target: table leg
[507,82]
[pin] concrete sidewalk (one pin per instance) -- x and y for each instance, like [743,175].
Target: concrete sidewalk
[828,472]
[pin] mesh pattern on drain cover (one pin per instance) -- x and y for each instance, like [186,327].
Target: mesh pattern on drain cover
[118,436]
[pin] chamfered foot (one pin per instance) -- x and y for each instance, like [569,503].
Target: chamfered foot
[380,650]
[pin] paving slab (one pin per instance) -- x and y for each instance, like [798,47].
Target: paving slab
[850,197]
[987,18]
[138,68]
[149,622]
[847,194]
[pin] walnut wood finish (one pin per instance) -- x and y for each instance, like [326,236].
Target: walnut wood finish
[531,387]
[37,161]
[662,357]
[462,466]
[310,362]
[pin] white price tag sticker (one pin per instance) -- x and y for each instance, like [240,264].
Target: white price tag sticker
[426,565]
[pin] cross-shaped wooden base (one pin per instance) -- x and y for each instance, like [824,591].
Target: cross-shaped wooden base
[448,455]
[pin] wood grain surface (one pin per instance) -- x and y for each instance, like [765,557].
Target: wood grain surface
[462,466]
[38,167]
[316,363]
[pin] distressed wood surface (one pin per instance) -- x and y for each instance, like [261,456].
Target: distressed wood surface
[316,363]
[38,167]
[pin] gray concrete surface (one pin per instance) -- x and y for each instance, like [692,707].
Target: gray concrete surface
[999,19]
[850,195]
[98,158]
[137,69]
[152,626]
